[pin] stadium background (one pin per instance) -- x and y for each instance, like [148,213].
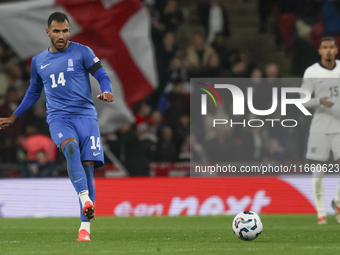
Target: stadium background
[264,38]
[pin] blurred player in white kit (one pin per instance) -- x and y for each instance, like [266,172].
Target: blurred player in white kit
[323,80]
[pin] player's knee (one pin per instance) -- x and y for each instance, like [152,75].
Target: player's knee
[70,148]
[66,142]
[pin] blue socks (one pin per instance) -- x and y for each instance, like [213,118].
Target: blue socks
[80,175]
[74,167]
[89,174]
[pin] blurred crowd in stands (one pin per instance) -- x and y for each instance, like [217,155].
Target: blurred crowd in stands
[191,40]
[298,27]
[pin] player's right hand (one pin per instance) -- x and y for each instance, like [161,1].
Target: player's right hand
[6,122]
[326,102]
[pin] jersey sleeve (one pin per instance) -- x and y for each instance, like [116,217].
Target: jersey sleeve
[89,58]
[33,93]
[308,83]
[92,64]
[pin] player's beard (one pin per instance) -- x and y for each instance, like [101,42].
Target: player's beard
[60,47]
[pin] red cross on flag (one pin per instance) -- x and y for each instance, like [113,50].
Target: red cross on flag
[118,31]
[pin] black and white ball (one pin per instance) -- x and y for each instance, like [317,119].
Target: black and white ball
[247,225]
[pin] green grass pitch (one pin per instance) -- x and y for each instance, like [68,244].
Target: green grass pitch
[282,234]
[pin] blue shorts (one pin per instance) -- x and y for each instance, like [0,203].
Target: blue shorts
[85,131]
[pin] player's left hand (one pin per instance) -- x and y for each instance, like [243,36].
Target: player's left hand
[106,96]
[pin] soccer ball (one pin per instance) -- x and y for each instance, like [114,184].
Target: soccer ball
[247,225]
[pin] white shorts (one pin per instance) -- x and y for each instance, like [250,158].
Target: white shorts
[320,145]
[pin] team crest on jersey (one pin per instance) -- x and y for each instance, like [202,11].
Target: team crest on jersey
[70,64]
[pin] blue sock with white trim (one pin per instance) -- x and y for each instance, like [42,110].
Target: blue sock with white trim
[89,174]
[90,184]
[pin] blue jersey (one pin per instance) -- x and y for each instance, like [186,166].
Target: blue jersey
[65,78]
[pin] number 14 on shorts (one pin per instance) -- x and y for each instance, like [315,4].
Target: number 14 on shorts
[95,146]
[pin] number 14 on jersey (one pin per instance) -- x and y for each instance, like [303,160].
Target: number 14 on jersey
[61,80]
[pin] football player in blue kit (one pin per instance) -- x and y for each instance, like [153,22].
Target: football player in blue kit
[63,70]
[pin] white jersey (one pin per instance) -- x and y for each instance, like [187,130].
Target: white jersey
[323,82]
